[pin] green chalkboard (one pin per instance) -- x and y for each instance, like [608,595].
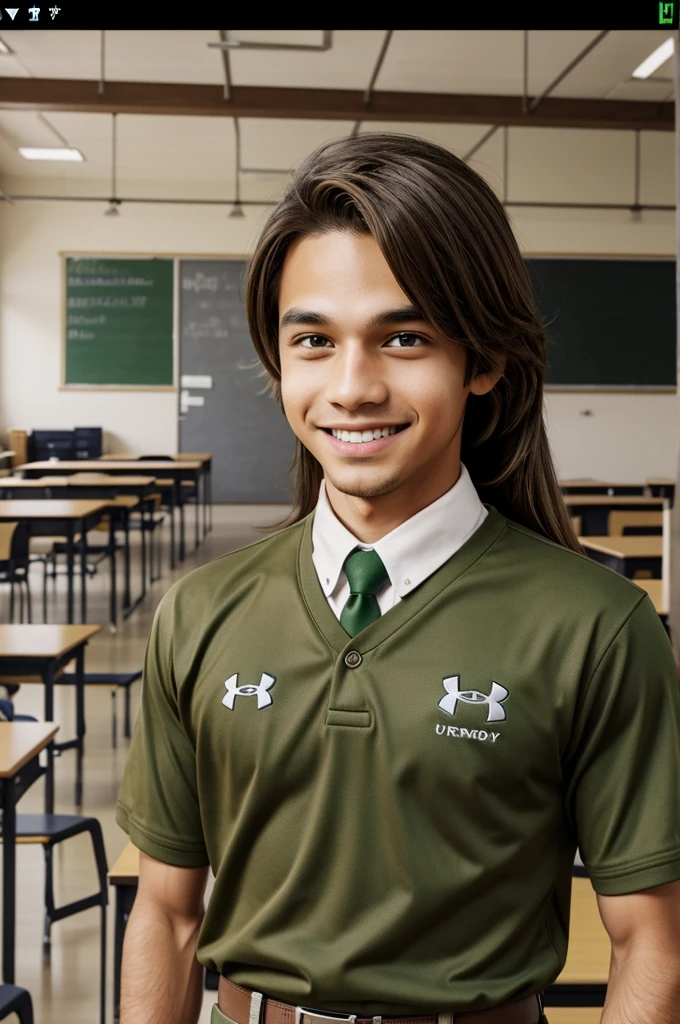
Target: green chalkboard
[118,323]
[610,323]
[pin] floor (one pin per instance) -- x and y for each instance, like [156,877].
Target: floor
[66,989]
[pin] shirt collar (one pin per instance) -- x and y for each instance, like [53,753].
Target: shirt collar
[413,550]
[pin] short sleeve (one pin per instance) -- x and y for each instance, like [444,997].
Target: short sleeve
[158,803]
[623,769]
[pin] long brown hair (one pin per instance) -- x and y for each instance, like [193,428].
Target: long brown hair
[449,244]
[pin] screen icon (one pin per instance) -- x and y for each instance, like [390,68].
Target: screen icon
[54,11]
[666,12]
[12,11]
[34,13]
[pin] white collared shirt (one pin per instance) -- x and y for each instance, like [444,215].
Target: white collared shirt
[410,553]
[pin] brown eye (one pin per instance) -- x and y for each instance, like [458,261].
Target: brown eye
[406,340]
[316,341]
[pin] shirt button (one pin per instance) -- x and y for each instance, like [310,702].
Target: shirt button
[352,659]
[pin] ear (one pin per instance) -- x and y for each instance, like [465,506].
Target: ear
[486,382]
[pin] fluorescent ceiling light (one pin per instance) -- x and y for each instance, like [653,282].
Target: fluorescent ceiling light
[4,48]
[53,153]
[655,60]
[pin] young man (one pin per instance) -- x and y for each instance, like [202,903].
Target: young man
[388,727]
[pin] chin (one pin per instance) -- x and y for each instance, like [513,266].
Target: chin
[364,488]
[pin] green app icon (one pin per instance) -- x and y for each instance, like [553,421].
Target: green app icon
[666,12]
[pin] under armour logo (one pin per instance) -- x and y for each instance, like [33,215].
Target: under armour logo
[495,699]
[264,698]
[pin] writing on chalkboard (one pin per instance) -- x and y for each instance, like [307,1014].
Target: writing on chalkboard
[200,282]
[109,282]
[119,301]
[210,328]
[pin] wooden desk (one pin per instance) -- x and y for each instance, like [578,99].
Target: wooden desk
[124,875]
[583,981]
[67,517]
[31,654]
[661,486]
[20,745]
[176,470]
[655,590]
[594,509]
[205,458]
[626,554]
[123,492]
[586,486]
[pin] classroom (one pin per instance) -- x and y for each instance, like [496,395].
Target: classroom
[138,441]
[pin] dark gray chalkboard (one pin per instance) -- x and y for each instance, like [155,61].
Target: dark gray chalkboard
[251,441]
[610,323]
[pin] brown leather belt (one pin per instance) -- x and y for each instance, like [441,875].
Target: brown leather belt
[235,1002]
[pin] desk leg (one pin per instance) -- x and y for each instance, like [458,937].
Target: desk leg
[197,539]
[143,532]
[9,828]
[112,546]
[126,558]
[180,504]
[210,507]
[204,503]
[80,724]
[125,898]
[48,679]
[69,571]
[172,527]
[83,571]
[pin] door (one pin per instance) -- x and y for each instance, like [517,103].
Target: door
[221,408]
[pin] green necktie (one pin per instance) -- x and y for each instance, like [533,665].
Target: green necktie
[366,574]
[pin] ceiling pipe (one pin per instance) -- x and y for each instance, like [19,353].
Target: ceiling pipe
[539,99]
[659,207]
[368,95]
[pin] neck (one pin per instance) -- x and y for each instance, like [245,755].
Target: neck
[369,519]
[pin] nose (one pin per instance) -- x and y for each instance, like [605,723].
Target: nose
[356,378]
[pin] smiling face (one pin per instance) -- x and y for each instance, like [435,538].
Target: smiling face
[357,357]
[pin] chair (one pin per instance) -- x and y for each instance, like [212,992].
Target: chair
[14,564]
[116,681]
[47,830]
[157,518]
[16,1000]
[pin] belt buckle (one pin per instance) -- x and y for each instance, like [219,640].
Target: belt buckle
[330,1018]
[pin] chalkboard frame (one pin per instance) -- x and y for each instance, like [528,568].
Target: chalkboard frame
[65,255]
[636,389]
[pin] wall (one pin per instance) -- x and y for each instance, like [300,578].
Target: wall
[32,236]
[626,436]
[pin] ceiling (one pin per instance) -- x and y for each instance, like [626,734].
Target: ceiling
[164,148]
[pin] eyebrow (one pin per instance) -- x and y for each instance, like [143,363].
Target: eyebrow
[307,317]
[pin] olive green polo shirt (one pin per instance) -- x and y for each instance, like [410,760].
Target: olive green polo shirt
[392,818]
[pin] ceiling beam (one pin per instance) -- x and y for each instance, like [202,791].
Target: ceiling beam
[328,104]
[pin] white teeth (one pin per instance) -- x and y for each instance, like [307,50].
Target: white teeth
[360,436]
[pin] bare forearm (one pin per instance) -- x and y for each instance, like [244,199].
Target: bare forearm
[161,979]
[643,987]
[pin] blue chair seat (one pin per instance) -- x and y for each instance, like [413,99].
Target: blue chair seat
[16,1000]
